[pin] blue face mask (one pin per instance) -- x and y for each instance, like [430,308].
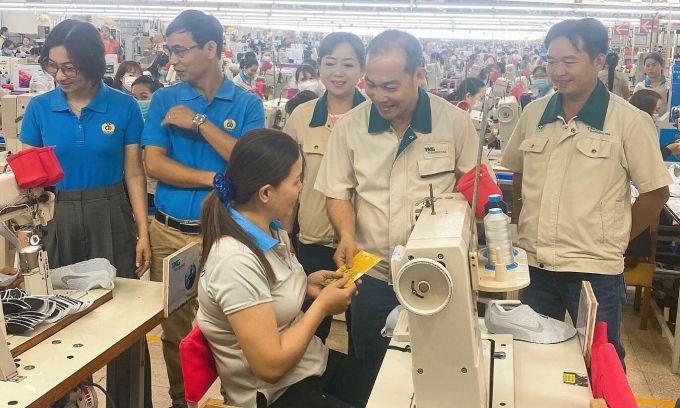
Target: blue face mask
[542,84]
[144,106]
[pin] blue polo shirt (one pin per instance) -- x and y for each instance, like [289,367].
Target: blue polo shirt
[233,110]
[90,149]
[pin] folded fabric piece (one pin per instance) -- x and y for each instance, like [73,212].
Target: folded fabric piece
[86,275]
[512,317]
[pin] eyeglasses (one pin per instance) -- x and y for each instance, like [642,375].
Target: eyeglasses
[69,70]
[179,51]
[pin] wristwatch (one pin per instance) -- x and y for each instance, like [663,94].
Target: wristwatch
[197,121]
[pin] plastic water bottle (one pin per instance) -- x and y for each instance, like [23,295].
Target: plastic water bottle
[498,243]
[495,201]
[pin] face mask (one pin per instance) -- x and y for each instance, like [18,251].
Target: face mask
[127,83]
[542,84]
[245,77]
[144,106]
[478,106]
[655,117]
[309,85]
[162,74]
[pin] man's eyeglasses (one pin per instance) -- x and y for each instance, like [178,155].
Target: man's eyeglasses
[50,67]
[179,51]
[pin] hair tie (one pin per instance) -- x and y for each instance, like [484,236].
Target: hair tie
[224,188]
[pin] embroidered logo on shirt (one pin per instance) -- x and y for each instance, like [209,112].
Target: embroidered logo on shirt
[436,150]
[108,128]
[230,124]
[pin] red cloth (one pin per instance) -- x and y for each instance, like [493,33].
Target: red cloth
[517,91]
[526,73]
[36,167]
[198,365]
[487,186]
[494,75]
[607,378]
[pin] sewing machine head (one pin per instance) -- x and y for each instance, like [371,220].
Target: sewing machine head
[23,215]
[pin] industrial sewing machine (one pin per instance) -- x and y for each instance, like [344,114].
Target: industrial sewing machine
[436,277]
[23,215]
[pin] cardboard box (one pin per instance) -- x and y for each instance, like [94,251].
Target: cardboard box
[8,105]
[22,104]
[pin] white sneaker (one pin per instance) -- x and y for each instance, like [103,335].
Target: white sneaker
[512,317]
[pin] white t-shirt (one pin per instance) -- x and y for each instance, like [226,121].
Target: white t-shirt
[233,280]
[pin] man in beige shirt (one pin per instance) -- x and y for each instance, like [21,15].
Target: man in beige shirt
[381,158]
[574,155]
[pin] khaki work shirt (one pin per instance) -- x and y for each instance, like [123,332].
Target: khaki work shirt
[386,174]
[576,209]
[311,127]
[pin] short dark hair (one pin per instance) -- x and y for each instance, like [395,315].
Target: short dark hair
[395,39]
[202,27]
[83,44]
[469,85]
[124,68]
[299,98]
[645,100]
[4,30]
[304,68]
[539,68]
[7,43]
[35,51]
[248,61]
[332,40]
[655,56]
[585,34]
[148,81]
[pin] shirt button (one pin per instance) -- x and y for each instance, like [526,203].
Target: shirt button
[316,146]
[573,129]
[541,265]
[532,145]
[593,151]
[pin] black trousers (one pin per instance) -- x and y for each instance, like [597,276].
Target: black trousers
[313,258]
[344,384]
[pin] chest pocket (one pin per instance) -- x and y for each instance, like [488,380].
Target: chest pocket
[533,145]
[594,148]
[435,167]
[315,144]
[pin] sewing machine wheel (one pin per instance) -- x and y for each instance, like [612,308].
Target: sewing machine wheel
[423,286]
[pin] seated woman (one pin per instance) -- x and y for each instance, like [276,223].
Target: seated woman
[252,288]
[469,94]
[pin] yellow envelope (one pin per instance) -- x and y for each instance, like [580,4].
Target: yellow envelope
[362,263]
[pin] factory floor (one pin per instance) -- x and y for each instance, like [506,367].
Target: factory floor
[648,359]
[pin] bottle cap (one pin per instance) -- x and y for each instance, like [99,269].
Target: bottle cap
[494,198]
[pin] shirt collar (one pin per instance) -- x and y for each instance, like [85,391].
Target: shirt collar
[225,91]
[98,104]
[263,240]
[320,115]
[421,120]
[593,112]
[648,81]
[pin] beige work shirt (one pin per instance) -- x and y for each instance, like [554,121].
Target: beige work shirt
[621,86]
[310,126]
[386,174]
[576,209]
